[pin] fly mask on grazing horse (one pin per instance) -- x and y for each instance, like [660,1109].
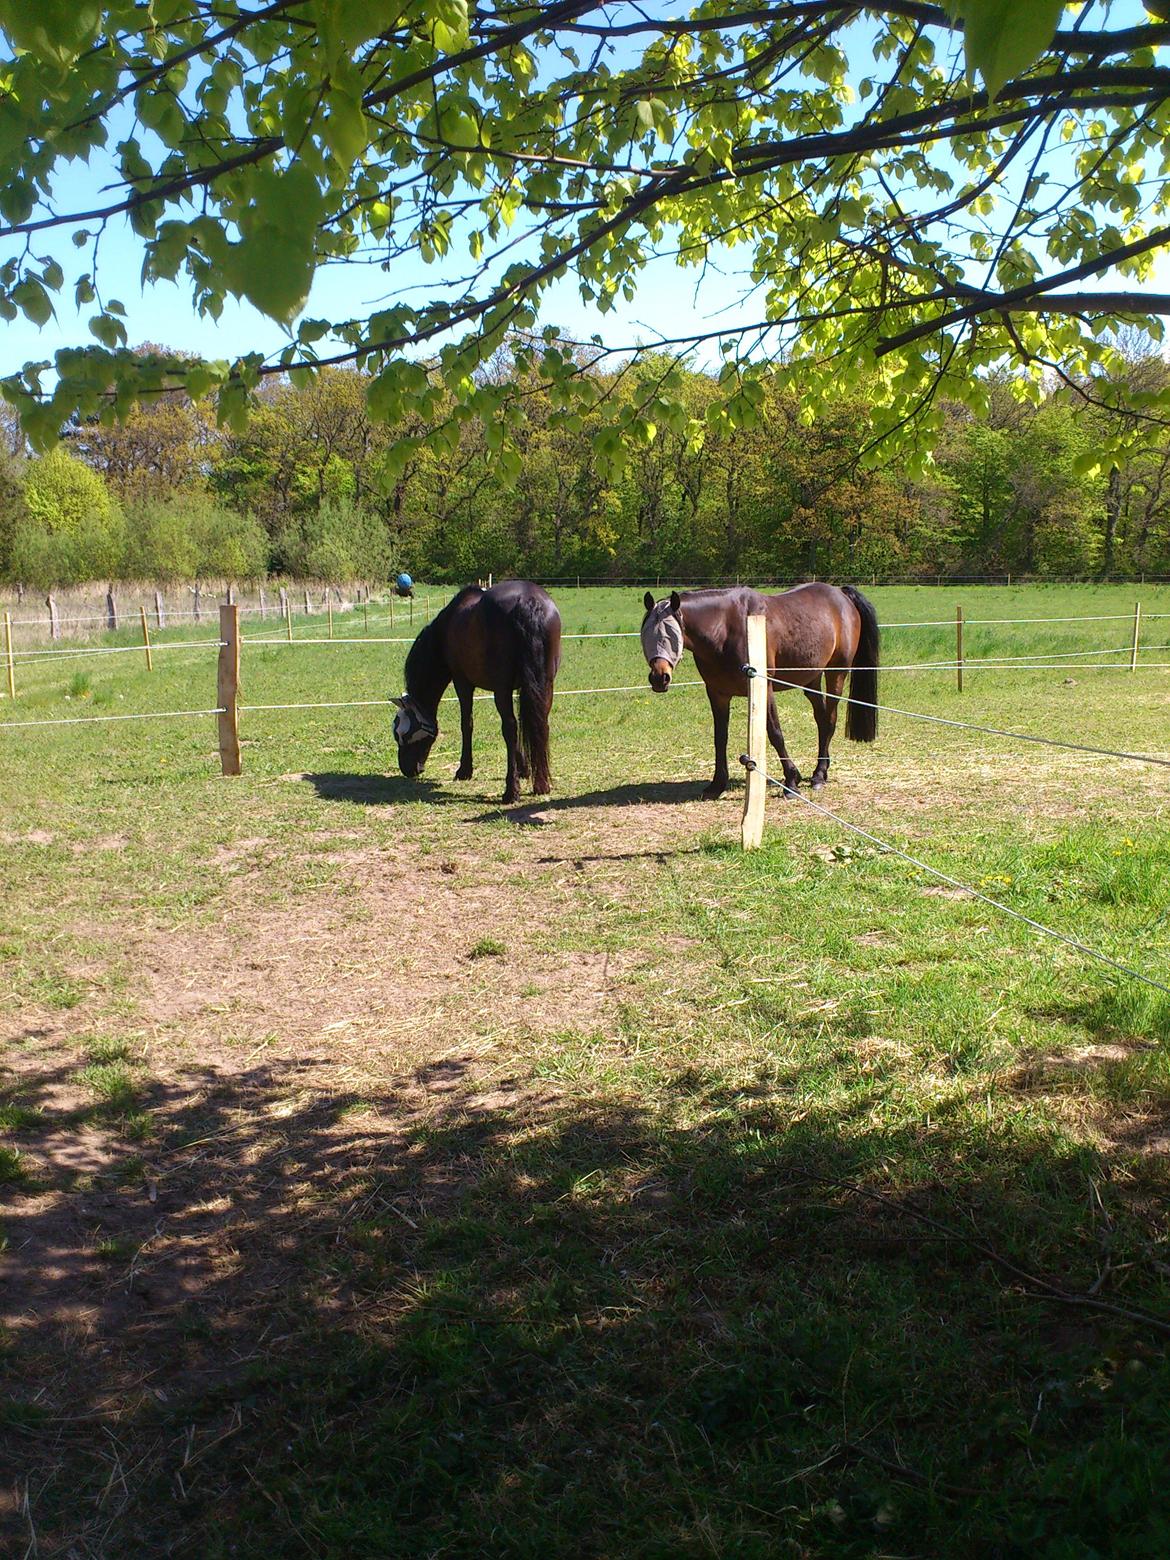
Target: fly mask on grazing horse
[414,732]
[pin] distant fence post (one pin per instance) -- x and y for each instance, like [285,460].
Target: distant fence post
[308,605]
[54,620]
[8,655]
[1137,628]
[231,593]
[228,688]
[329,605]
[160,611]
[959,647]
[146,640]
[263,604]
[197,593]
[111,611]
[755,793]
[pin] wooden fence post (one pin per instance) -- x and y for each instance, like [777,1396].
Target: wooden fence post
[146,640]
[228,688]
[308,606]
[1137,628]
[366,613]
[160,611]
[231,593]
[329,605]
[959,647]
[263,605]
[54,620]
[756,791]
[8,655]
[197,593]
[111,611]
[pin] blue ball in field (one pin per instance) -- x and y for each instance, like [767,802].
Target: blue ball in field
[404,584]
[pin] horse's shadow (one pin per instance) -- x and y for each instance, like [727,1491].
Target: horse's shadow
[379,790]
[632,794]
[376,790]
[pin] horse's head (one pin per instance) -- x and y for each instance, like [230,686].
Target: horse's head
[662,638]
[415,732]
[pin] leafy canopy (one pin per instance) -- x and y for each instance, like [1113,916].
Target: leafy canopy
[918,191]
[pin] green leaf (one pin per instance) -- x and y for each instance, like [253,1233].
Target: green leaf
[1003,37]
[33,301]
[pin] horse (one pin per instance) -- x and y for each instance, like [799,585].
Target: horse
[504,639]
[814,631]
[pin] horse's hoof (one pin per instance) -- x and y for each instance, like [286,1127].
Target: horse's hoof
[510,797]
[712,793]
[462,774]
[818,785]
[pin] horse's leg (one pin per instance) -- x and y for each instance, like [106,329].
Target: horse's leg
[521,761]
[776,738]
[503,699]
[825,707]
[464,690]
[720,712]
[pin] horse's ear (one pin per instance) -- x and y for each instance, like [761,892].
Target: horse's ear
[648,601]
[675,603]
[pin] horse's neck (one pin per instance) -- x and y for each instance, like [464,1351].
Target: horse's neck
[429,679]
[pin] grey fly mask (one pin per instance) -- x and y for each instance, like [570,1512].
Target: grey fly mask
[662,635]
[411,724]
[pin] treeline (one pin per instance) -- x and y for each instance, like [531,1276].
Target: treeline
[314,488]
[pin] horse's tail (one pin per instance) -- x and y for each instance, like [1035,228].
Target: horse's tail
[539,635]
[861,716]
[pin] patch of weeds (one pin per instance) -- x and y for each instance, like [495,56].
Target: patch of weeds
[138,1126]
[81,686]
[115,1248]
[13,1170]
[11,948]
[131,1169]
[15,1117]
[354,1108]
[57,991]
[113,1084]
[22,1416]
[487,948]
[107,1048]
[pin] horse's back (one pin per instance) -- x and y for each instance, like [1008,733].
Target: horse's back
[812,624]
[495,630]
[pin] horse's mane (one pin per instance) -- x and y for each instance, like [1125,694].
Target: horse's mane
[426,660]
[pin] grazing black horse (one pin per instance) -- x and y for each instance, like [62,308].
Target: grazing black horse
[813,631]
[502,639]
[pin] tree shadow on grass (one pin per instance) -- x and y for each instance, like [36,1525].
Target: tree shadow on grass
[444,1321]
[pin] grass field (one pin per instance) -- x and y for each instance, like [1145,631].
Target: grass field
[387,1173]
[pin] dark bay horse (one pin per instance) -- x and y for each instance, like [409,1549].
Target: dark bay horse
[814,631]
[504,639]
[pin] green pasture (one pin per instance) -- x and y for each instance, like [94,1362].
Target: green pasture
[390,1173]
